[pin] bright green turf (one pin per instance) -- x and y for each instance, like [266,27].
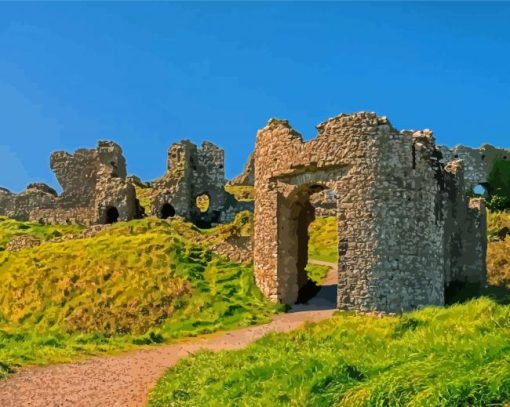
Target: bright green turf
[323,243]
[456,356]
[138,282]
[316,272]
[9,229]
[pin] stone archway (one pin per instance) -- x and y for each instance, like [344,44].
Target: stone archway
[111,215]
[296,213]
[166,211]
[396,207]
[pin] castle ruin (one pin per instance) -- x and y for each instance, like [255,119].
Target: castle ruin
[97,191]
[193,173]
[406,227]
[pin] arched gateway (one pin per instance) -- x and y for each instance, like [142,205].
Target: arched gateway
[406,227]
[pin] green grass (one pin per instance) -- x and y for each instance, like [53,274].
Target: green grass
[323,243]
[136,283]
[10,229]
[316,272]
[456,356]
[498,223]
[498,249]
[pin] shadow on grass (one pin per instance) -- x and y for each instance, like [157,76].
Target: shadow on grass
[458,293]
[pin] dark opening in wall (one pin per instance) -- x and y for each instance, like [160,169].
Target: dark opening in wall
[112,215]
[458,292]
[479,190]
[115,170]
[167,211]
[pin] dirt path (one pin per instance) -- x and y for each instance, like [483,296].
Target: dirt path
[126,380]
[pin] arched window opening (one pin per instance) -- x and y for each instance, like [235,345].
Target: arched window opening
[479,190]
[203,202]
[112,215]
[167,211]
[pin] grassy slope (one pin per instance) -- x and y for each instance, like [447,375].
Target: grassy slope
[424,358]
[323,239]
[9,229]
[316,272]
[438,356]
[137,282]
[144,195]
[241,192]
[498,250]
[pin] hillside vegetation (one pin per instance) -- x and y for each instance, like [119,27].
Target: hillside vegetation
[244,193]
[10,229]
[459,355]
[498,249]
[138,282]
[323,243]
[455,356]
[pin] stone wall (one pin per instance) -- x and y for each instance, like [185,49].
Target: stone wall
[247,177]
[478,162]
[400,213]
[97,191]
[193,172]
[94,186]
[324,202]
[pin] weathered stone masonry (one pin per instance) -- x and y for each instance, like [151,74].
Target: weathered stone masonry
[94,186]
[406,228]
[97,191]
[478,162]
[194,172]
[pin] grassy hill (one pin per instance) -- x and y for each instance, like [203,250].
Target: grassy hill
[323,243]
[498,249]
[151,281]
[10,229]
[459,355]
[455,356]
[138,282]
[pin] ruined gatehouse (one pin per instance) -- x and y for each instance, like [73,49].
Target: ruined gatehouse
[406,227]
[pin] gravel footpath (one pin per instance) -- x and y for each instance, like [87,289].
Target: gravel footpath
[126,379]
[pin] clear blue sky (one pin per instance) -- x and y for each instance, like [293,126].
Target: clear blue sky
[150,74]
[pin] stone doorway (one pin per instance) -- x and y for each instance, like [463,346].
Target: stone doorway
[296,214]
[111,215]
[167,211]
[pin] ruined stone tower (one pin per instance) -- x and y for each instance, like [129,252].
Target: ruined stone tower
[192,173]
[406,228]
[94,186]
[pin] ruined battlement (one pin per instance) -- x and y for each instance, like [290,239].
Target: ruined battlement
[405,224]
[193,173]
[407,228]
[96,189]
[478,162]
